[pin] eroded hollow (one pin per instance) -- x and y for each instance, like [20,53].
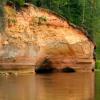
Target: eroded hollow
[45,67]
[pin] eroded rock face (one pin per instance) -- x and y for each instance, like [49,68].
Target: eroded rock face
[35,34]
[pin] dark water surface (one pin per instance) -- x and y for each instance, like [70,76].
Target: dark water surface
[56,86]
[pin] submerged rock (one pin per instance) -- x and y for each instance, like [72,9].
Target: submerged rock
[34,34]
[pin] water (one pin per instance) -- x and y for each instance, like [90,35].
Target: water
[55,86]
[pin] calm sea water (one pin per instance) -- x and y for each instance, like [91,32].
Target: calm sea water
[55,86]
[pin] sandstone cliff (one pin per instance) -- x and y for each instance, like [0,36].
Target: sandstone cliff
[34,34]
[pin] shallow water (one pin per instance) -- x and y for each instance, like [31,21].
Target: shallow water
[56,86]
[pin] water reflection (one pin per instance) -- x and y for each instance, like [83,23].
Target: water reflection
[57,86]
[17,88]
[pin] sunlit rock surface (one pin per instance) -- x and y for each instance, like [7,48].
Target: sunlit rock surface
[34,34]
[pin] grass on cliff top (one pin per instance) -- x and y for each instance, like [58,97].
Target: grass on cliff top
[10,11]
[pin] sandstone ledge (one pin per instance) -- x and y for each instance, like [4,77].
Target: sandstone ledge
[33,35]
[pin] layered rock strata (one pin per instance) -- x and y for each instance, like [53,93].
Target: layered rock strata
[33,35]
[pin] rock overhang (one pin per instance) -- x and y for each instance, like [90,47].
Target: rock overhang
[34,34]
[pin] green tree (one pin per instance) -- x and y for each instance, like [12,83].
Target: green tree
[2,18]
[20,2]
